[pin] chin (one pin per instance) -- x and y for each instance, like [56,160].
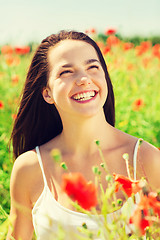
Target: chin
[91,113]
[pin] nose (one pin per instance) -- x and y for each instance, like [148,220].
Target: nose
[83,80]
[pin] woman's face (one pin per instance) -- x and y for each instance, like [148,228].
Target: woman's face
[77,81]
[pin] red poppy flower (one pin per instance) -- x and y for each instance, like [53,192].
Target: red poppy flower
[106,49]
[139,219]
[86,31]
[110,31]
[22,50]
[78,189]
[146,61]
[127,45]
[130,66]
[139,50]
[112,40]
[143,47]
[1,105]
[14,116]
[9,59]
[138,104]
[100,44]
[12,61]
[93,30]
[146,45]
[156,50]
[15,79]
[154,202]
[142,216]
[128,186]
[6,49]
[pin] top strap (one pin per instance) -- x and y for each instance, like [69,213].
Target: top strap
[135,156]
[41,165]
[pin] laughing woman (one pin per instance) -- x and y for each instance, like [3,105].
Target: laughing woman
[67,103]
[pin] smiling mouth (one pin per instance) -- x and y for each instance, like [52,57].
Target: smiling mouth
[84,96]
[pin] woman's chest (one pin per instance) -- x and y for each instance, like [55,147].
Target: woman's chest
[94,169]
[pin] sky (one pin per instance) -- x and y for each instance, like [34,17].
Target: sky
[23,21]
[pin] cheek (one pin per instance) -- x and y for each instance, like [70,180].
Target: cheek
[105,92]
[102,82]
[104,89]
[59,91]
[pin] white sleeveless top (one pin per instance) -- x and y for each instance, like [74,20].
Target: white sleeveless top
[50,217]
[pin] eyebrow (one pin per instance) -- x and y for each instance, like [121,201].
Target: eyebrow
[86,62]
[91,61]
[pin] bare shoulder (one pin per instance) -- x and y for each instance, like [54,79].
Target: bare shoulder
[21,206]
[23,173]
[149,163]
[149,153]
[25,163]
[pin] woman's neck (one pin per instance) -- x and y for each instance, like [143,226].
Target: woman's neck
[79,135]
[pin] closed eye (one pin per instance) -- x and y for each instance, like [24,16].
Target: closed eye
[64,72]
[93,66]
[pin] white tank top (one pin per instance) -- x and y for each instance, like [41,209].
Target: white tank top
[50,218]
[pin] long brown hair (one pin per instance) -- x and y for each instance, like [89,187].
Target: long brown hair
[37,121]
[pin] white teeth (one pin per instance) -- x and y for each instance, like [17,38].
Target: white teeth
[88,95]
[84,96]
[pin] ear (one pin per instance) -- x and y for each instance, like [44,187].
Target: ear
[46,93]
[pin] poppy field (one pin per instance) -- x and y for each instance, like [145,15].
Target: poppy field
[135,73]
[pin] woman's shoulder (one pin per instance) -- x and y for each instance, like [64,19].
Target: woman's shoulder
[147,152]
[125,140]
[149,163]
[25,168]
[25,160]
[148,148]
[148,155]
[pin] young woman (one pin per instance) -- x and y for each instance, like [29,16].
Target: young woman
[67,103]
